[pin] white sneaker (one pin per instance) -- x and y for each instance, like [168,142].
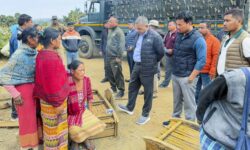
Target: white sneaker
[125,109]
[142,120]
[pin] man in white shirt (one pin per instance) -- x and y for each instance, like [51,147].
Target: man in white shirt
[235,49]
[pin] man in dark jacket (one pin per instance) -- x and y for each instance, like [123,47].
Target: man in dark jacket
[147,53]
[189,57]
[103,44]
[114,50]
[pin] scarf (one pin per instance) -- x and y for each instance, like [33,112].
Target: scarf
[51,83]
[75,108]
[20,68]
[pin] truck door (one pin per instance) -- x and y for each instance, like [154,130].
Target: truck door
[94,12]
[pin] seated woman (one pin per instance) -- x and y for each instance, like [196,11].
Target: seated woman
[82,123]
[17,76]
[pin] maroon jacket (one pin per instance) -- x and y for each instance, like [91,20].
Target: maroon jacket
[169,40]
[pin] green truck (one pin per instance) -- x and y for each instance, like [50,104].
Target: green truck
[98,11]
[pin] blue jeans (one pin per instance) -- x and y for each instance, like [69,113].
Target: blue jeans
[168,71]
[203,80]
[130,61]
[71,56]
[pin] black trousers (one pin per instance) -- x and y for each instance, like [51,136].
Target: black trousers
[105,66]
[114,74]
[137,79]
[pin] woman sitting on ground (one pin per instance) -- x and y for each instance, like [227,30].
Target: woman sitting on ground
[17,76]
[82,123]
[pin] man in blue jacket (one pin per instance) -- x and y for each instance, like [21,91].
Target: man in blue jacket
[24,21]
[129,45]
[189,57]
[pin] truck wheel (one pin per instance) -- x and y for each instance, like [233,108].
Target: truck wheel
[86,50]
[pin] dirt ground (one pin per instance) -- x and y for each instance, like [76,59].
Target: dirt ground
[130,135]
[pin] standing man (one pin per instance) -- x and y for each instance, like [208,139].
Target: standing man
[24,22]
[129,45]
[169,41]
[71,41]
[148,52]
[209,70]
[115,48]
[235,50]
[103,44]
[55,25]
[189,58]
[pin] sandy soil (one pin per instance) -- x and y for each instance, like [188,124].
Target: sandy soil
[130,135]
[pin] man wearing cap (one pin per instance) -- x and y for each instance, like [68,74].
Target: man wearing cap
[55,24]
[129,45]
[71,41]
[114,50]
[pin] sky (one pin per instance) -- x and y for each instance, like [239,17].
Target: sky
[40,9]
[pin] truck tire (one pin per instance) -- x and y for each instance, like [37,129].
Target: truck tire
[86,51]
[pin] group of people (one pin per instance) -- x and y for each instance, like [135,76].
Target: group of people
[53,106]
[195,60]
[57,103]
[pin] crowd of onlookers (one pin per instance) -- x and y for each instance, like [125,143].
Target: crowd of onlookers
[51,102]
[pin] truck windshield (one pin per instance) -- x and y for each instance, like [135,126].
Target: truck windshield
[94,8]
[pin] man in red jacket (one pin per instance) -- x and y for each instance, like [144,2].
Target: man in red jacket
[213,46]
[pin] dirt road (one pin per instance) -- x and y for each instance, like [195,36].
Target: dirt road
[129,134]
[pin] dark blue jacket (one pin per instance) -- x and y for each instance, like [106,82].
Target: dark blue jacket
[152,51]
[14,40]
[130,39]
[189,53]
[103,44]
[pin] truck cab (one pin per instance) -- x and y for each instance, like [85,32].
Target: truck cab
[91,26]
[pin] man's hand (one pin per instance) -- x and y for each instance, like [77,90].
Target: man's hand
[170,51]
[100,53]
[212,77]
[193,76]
[118,60]
[18,100]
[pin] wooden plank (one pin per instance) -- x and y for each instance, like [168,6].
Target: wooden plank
[195,141]
[181,144]
[156,144]
[164,135]
[6,124]
[105,133]
[189,130]
[187,135]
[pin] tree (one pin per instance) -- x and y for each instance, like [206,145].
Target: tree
[7,21]
[74,15]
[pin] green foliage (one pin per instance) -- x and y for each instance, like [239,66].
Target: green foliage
[74,15]
[6,21]
[4,36]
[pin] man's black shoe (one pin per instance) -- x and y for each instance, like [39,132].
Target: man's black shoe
[104,80]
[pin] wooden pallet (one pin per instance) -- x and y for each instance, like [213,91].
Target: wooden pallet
[179,135]
[9,124]
[100,106]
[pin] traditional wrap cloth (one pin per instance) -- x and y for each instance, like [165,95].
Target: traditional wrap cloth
[52,88]
[20,68]
[82,123]
[19,72]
